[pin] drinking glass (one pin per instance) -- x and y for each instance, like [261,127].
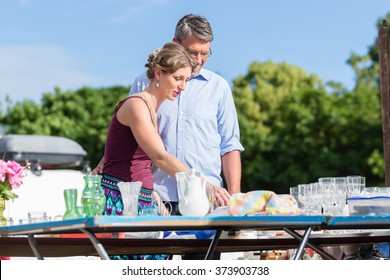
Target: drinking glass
[304,197]
[327,187]
[294,193]
[356,185]
[340,196]
[24,221]
[384,191]
[130,192]
[37,216]
[371,191]
[314,199]
[10,221]
[70,196]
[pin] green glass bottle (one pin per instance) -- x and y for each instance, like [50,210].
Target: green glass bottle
[87,197]
[100,197]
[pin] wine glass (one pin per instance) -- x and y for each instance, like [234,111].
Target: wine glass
[303,197]
[340,195]
[355,185]
[327,186]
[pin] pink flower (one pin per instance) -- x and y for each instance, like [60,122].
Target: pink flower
[3,170]
[15,175]
[11,177]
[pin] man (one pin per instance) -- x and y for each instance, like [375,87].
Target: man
[200,127]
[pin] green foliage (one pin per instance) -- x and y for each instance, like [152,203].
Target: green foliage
[294,131]
[82,115]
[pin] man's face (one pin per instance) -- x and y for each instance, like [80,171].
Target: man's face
[198,49]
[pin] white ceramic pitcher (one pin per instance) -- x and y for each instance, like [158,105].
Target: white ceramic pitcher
[193,200]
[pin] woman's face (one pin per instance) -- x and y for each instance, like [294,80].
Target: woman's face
[173,83]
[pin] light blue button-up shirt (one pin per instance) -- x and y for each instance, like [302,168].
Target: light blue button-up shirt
[199,127]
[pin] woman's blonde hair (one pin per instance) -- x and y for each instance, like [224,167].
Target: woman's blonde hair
[170,58]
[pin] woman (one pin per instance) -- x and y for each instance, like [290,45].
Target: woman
[133,142]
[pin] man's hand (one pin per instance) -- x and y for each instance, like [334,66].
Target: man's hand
[220,195]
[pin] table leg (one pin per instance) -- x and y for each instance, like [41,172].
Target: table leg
[98,246]
[302,245]
[321,252]
[213,244]
[34,246]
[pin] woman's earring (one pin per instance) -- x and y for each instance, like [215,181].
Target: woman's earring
[158,84]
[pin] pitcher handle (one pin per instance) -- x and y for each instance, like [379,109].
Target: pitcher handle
[187,185]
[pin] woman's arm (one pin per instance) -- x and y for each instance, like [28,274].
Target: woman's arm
[135,114]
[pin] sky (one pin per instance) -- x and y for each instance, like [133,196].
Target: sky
[101,43]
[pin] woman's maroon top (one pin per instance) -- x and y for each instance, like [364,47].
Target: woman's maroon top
[124,158]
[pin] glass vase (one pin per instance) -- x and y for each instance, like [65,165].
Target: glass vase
[87,197]
[93,198]
[70,196]
[100,197]
[130,192]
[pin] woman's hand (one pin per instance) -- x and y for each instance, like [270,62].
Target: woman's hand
[96,171]
[99,168]
[163,211]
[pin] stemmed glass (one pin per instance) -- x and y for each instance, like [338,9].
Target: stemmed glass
[315,199]
[294,193]
[303,197]
[384,191]
[340,195]
[356,185]
[371,191]
[327,186]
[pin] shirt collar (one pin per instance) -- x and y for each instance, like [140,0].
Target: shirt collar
[202,75]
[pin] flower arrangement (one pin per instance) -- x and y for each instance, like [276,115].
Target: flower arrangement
[11,177]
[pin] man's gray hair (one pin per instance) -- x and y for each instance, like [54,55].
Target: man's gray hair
[194,25]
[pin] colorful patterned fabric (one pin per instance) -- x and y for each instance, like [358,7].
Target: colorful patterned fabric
[262,202]
[114,203]
[114,207]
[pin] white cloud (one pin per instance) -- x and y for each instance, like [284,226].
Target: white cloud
[28,71]
[141,7]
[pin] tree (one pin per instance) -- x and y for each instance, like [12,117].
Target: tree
[295,129]
[82,115]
